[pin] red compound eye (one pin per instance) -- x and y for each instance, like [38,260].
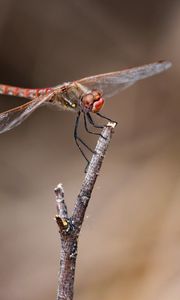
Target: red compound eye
[97,105]
[97,95]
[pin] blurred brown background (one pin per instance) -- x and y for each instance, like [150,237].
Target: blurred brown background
[130,243]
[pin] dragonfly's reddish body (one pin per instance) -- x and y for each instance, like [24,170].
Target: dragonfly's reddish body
[21,92]
[84,95]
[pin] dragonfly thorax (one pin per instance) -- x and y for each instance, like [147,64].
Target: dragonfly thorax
[78,97]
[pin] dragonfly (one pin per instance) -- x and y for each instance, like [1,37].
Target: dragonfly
[84,97]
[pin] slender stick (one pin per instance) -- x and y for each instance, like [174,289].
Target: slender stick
[69,227]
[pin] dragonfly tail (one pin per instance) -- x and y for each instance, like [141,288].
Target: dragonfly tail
[23,92]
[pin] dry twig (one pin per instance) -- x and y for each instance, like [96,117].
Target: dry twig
[69,227]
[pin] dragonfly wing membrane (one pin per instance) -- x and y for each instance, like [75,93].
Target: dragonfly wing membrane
[13,117]
[111,83]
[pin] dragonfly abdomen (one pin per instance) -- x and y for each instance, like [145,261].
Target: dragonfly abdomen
[21,92]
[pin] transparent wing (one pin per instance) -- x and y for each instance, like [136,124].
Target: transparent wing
[111,83]
[13,117]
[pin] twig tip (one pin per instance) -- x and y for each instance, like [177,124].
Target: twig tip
[58,187]
[111,124]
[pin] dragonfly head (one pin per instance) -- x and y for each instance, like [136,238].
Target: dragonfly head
[93,101]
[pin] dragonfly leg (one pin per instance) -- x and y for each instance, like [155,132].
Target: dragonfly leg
[91,121]
[78,139]
[104,117]
[86,126]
